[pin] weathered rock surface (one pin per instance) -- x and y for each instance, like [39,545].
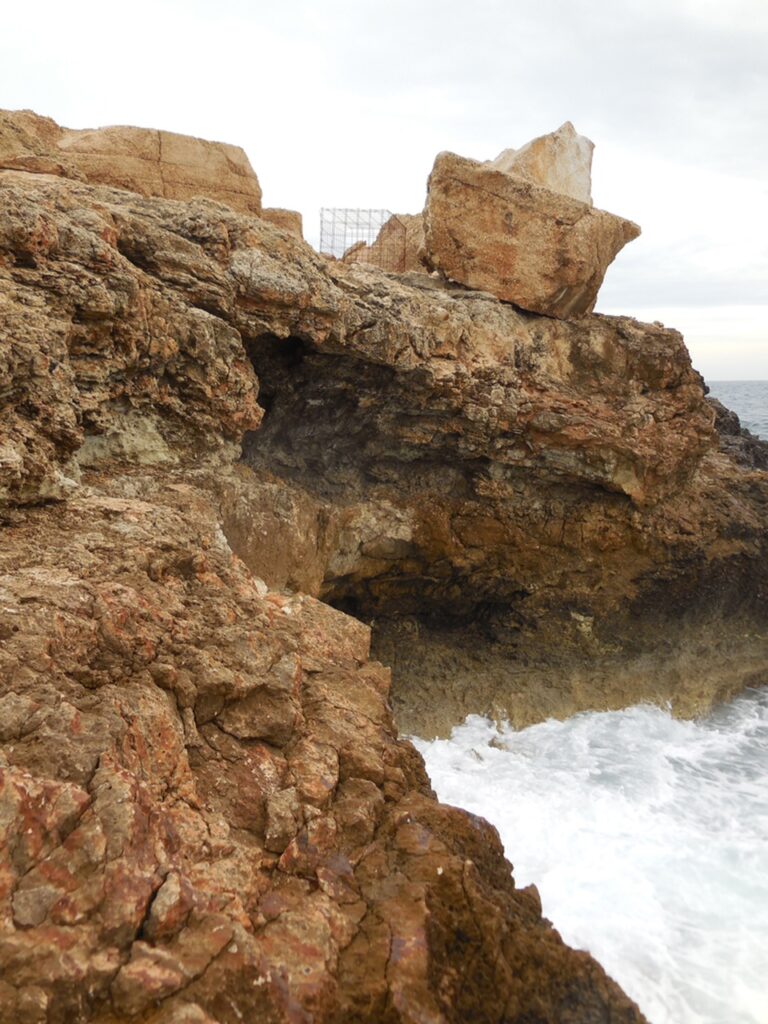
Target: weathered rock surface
[540,249]
[144,160]
[206,816]
[205,809]
[397,248]
[560,161]
[207,813]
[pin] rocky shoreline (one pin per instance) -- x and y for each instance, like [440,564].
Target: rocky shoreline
[226,464]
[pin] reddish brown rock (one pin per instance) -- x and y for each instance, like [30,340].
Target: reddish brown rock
[207,815]
[541,250]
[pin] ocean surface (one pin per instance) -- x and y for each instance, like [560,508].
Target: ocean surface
[646,836]
[748,398]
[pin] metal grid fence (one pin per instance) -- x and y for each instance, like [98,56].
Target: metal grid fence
[363,236]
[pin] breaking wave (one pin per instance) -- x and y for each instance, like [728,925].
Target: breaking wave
[647,838]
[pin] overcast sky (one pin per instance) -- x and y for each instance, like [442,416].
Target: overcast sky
[346,103]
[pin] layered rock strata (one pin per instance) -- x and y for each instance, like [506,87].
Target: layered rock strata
[144,160]
[206,814]
[499,232]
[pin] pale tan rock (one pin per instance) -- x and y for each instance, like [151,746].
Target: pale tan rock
[561,161]
[398,247]
[525,244]
[143,160]
[286,220]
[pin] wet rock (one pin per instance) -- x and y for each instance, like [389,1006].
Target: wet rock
[740,444]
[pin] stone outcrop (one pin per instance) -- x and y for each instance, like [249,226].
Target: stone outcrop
[206,815]
[211,436]
[398,247]
[286,220]
[144,160]
[740,444]
[560,161]
[501,233]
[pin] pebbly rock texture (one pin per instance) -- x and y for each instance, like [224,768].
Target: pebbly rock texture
[144,160]
[533,514]
[206,815]
[560,161]
[206,427]
[542,250]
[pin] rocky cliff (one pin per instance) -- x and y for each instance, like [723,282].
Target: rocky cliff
[211,437]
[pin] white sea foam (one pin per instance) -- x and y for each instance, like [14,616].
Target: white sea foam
[648,840]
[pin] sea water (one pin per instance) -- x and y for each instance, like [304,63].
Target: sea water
[748,398]
[646,836]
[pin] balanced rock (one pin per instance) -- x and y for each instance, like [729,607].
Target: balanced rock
[561,161]
[143,160]
[500,233]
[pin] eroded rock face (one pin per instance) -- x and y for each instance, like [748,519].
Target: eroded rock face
[540,249]
[560,161]
[206,814]
[430,459]
[143,160]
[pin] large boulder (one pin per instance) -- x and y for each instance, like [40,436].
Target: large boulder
[500,233]
[561,161]
[143,160]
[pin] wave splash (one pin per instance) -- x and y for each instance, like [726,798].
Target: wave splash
[647,838]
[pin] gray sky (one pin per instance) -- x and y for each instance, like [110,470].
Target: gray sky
[346,103]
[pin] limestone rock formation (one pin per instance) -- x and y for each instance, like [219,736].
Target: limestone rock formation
[560,161]
[207,431]
[206,815]
[540,249]
[398,247]
[147,161]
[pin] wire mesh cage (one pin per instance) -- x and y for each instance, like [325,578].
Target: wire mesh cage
[377,237]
